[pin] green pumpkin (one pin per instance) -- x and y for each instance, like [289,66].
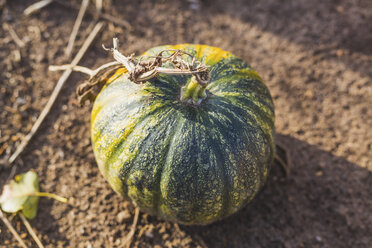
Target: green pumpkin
[192,164]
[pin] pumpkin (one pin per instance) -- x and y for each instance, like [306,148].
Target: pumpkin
[188,163]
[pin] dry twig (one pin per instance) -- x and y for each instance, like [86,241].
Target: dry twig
[36,7]
[14,35]
[74,68]
[201,241]
[75,29]
[116,20]
[128,238]
[30,230]
[12,230]
[97,78]
[98,12]
[99,6]
[110,18]
[92,73]
[283,157]
[55,93]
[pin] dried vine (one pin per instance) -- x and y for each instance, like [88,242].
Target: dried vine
[142,69]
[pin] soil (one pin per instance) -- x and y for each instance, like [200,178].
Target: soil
[316,58]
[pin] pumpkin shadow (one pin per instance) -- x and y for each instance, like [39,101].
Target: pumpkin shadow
[325,196]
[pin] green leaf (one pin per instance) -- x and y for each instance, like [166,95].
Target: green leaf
[21,194]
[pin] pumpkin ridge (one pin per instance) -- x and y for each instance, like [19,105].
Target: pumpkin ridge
[111,166]
[118,109]
[231,72]
[250,120]
[164,110]
[104,127]
[224,136]
[163,153]
[268,137]
[191,189]
[243,89]
[252,104]
[226,66]
[125,134]
[235,82]
[216,69]
[177,129]
[256,100]
[158,195]
[220,162]
[248,107]
[210,204]
[222,140]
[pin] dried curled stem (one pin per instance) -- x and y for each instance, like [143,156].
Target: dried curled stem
[143,68]
[90,89]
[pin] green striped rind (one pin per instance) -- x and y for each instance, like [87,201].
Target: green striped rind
[193,165]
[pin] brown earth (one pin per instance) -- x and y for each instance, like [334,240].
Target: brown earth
[316,58]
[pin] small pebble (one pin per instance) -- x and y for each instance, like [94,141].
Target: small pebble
[340,9]
[84,206]
[318,238]
[123,215]
[319,173]
[149,234]
[339,53]
[309,94]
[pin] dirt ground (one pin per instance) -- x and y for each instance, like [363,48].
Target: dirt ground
[316,58]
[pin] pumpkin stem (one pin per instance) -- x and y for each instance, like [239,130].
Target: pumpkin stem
[193,92]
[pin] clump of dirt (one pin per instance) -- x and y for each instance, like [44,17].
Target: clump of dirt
[316,59]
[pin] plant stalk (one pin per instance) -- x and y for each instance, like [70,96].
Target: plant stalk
[193,92]
[51,195]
